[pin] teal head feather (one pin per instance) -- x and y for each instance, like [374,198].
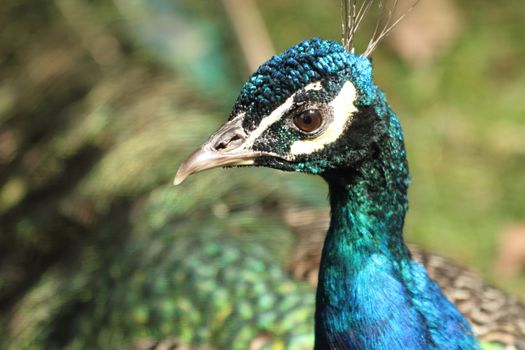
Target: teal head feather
[307,77]
[315,109]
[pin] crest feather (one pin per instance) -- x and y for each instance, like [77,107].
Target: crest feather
[353,13]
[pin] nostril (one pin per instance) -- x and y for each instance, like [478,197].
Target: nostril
[236,139]
[228,141]
[220,146]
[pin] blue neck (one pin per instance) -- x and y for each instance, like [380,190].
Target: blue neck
[371,294]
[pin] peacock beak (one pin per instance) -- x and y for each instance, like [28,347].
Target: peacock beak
[227,147]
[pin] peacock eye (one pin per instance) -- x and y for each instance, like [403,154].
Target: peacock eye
[309,121]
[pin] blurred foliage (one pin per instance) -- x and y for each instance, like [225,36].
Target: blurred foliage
[100,100]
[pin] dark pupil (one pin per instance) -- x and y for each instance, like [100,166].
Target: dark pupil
[309,121]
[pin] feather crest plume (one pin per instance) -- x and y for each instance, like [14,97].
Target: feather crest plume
[353,12]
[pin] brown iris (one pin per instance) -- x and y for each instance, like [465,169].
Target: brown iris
[309,121]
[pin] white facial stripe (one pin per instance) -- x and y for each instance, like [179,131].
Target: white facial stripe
[314,86]
[275,116]
[343,108]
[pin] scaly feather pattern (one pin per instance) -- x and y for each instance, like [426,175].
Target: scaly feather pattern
[104,294]
[316,109]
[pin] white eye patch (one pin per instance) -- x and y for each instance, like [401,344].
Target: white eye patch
[343,109]
[277,114]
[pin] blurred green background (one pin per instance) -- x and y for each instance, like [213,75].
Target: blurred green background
[100,100]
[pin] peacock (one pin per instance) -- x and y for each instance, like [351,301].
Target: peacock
[315,109]
[139,274]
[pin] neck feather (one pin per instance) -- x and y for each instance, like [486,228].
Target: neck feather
[371,294]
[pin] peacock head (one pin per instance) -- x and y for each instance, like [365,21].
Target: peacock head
[314,108]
